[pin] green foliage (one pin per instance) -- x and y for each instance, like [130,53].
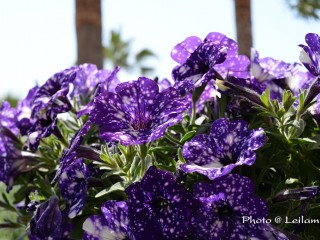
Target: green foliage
[11,99]
[306,8]
[117,52]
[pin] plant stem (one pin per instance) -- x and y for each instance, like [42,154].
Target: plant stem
[143,150]
[193,113]
[171,138]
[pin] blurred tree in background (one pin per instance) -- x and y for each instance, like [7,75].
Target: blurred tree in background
[307,9]
[11,99]
[243,26]
[89,32]
[118,53]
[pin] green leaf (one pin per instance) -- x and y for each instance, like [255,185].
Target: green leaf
[197,93]
[144,53]
[161,149]
[302,140]
[188,136]
[292,180]
[112,173]
[281,112]
[119,186]
[180,156]
[177,128]
[288,99]
[265,98]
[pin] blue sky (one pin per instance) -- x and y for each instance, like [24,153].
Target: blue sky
[38,36]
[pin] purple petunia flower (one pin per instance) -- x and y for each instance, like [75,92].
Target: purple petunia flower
[73,187]
[53,97]
[229,144]
[235,65]
[8,152]
[270,73]
[89,77]
[310,55]
[70,155]
[50,100]
[113,224]
[300,81]
[94,84]
[197,60]
[228,209]
[137,113]
[159,208]
[46,222]
[266,69]
[201,60]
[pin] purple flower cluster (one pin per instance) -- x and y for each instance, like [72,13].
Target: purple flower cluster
[209,201]
[159,207]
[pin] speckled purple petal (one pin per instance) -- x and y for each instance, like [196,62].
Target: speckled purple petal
[113,224]
[8,137]
[309,60]
[183,50]
[300,80]
[225,201]
[223,40]
[164,84]
[159,208]
[8,154]
[24,109]
[236,66]
[8,117]
[198,67]
[229,144]
[46,222]
[42,128]
[103,81]
[50,100]
[266,69]
[313,40]
[69,156]
[73,187]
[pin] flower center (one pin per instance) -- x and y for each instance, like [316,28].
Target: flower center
[224,209]
[158,204]
[140,124]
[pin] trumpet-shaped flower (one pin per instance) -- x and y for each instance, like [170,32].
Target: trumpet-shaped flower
[200,60]
[310,55]
[229,144]
[137,112]
[159,208]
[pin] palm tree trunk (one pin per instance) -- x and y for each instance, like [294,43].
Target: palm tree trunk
[89,32]
[243,25]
